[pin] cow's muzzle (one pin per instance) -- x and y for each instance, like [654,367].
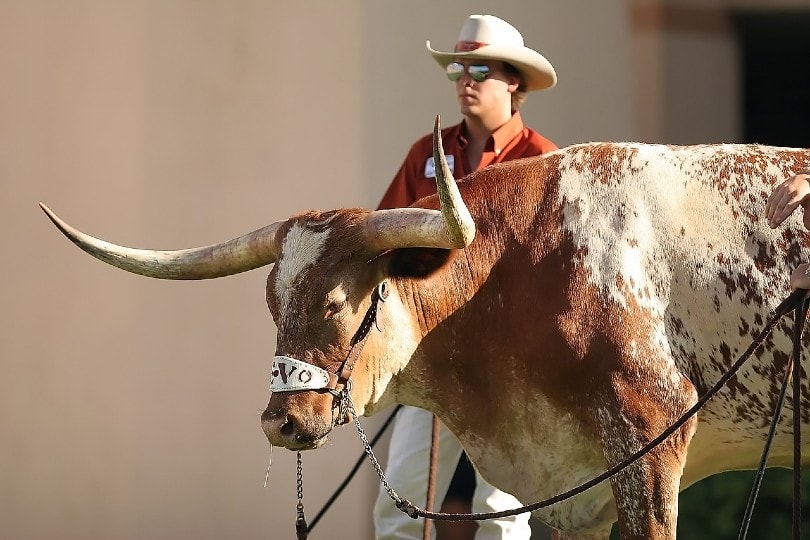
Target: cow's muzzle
[290,379]
[293,430]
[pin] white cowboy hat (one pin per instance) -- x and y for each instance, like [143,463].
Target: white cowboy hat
[490,38]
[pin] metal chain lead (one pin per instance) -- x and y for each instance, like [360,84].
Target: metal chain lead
[301,527]
[403,505]
[370,452]
[299,477]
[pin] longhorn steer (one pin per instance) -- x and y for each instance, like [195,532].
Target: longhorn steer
[608,285]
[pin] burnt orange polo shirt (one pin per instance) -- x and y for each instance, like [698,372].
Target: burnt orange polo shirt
[416,177]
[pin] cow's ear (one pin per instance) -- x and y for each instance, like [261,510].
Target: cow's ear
[417,262]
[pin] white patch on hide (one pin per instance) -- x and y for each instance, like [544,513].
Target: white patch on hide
[301,249]
[681,228]
[568,457]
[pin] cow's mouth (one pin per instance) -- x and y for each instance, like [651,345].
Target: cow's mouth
[294,432]
[308,445]
[299,445]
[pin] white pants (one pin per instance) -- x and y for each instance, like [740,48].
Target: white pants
[407,473]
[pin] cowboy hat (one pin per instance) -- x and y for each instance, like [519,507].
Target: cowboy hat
[489,38]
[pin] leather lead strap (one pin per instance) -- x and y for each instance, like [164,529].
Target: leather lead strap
[800,316]
[431,487]
[793,370]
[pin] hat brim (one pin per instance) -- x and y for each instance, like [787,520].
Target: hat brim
[537,72]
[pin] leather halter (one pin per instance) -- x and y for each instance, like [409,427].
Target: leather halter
[293,375]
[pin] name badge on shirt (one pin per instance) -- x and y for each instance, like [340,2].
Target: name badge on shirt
[430,166]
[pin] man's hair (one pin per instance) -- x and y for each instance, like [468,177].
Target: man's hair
[519,95]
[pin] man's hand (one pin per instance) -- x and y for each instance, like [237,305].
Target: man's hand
[799,279]
[786,197]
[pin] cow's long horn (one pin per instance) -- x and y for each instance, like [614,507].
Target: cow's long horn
[246,252]
[452,227]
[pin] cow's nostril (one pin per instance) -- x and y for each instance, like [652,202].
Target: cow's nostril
[288,429]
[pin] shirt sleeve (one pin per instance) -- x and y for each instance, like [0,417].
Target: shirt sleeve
[544,145]
[400,192]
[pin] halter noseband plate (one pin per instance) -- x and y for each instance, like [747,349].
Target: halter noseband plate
[289,375]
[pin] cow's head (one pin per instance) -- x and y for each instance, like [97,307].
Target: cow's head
[328,266]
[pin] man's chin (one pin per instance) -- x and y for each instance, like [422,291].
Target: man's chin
[467,107]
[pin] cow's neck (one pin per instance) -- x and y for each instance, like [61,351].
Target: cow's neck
[496,336]
[464,360]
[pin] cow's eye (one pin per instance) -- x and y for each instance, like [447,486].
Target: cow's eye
[333,307]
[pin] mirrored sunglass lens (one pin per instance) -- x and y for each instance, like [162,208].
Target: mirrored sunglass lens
[454,71]
[478,73]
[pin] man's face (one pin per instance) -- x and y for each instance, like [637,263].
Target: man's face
[482,97]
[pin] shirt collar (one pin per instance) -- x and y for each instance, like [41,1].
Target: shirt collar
[507,132]
[501,136]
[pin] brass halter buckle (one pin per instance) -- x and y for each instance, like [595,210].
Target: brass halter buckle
[341,403]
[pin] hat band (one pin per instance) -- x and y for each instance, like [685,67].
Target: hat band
[467,46]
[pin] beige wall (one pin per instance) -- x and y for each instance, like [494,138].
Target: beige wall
[129,407]
[687,71]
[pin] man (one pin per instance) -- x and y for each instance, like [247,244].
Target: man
[492,71]
[785,198]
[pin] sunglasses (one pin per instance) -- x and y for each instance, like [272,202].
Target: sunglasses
[478,73]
